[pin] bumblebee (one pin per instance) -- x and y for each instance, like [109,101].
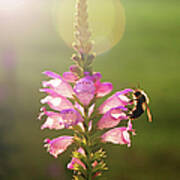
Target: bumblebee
[141,102]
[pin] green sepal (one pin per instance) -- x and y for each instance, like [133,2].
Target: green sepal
[101,166]
[81,141]
[78,155]
[93,101]
[78,129]
[78,101]
[80,169]
[78,177]
[81,157]
[98,155]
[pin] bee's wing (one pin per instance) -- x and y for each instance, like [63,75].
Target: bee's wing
[145,106]
[149,114]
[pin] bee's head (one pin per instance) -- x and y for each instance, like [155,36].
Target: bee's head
[139,92]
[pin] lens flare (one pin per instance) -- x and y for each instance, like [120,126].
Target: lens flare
[106,20]
[10,4]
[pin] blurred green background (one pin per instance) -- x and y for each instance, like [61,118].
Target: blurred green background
[148,53]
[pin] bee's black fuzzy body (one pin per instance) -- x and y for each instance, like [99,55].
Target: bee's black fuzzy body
[140,101]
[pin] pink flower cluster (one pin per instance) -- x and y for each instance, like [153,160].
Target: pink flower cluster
[68,95]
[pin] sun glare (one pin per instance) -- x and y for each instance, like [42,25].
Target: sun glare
[107,22]
[8,5]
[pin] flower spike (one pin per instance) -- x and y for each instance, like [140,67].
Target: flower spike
[72,104]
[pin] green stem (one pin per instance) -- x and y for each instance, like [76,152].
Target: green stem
[89,168]
[88,146]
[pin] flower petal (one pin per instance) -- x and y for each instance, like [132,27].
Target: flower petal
[59,86]
[58,145]
[70,117]
[52,74]
[70,77]
[102,89]
[117,136]
[118,99]
[85,90]
[112,118]
[53,121]
[75,161]
[97,76]
[57,102]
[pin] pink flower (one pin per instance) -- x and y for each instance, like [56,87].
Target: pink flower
[57,102]
[70,77]
[59,90]
[58,85]
[97,76]
[58,145]
[70,117]
[102,89]
[85,90]
[112,117]
[116,100]
[118,135]
[89,86]
[76,160]
[64,119]
[53,120]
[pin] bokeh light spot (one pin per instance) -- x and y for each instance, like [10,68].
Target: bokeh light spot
[106,20]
